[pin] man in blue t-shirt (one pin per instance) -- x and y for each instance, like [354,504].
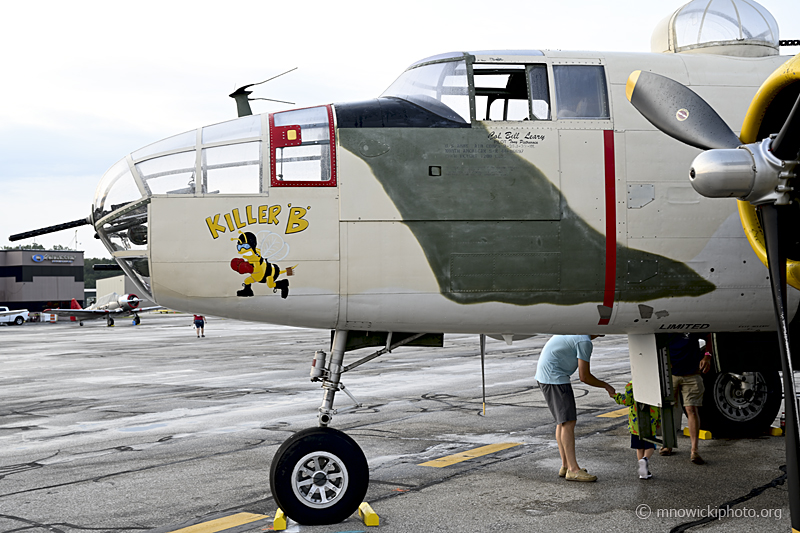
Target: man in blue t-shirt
[561,356]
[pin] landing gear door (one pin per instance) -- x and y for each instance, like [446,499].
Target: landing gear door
[652,383]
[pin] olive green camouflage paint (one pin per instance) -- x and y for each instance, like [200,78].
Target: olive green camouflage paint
[497,230]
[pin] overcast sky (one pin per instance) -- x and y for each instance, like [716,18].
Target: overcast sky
[86,83]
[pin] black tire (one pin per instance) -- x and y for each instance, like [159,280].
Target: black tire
[732,411]
[319,476]
[19,321]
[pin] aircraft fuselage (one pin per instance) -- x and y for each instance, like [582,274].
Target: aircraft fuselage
[516,193]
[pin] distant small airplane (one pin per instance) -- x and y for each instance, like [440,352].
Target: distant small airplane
[107,307]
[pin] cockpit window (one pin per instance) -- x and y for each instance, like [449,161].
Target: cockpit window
[300,141]
[441,88]
[169,174]
[115,190]
[176,142]
[501,92]
[232,169]
[581,92]
[241,128]
[540,92]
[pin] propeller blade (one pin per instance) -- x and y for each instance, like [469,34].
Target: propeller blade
[772,220]
[49,229]
[678,111]
[787,143]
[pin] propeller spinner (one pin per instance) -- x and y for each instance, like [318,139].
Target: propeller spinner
[759,172]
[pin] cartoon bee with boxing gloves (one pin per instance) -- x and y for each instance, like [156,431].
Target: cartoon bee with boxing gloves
[257,268]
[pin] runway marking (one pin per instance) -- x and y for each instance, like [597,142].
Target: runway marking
[615,414]
[469,454]
[226,522]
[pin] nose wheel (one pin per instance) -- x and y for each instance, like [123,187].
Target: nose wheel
[319,476]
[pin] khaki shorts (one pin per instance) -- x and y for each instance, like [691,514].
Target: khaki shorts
[690,389]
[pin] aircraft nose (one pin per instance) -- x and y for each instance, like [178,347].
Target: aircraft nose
[223,157]
[119,215]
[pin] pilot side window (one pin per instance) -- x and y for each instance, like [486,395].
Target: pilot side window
[581,92]
[501,92]
[540,92]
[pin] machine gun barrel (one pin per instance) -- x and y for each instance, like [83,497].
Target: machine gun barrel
[49,229]
[106,267]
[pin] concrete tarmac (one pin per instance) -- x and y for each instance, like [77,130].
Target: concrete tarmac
[149,428]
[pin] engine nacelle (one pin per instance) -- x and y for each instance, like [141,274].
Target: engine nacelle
[723,173]
[750,173]
[128,302]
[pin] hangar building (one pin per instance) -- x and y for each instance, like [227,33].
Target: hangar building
[38,279]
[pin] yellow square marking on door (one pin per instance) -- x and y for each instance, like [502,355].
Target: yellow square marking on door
[226,522]
[291,135]
[469,454]
[615,414]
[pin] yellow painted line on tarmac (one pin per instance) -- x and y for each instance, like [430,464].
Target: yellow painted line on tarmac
[469,454]
[220,524]
[615,414]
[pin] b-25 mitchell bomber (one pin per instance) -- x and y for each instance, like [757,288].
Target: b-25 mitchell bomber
[497,192]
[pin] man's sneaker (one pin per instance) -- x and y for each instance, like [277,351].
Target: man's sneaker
[644,469]
[562,472]
[580,475]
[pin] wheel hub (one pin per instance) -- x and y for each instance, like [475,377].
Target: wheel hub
[740,400]
[320,479]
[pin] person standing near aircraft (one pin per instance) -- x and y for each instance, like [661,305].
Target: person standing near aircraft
[644,449]
[561,356]
[199,325]
[688,362]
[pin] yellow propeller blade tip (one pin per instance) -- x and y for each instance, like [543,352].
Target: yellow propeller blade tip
[632,79]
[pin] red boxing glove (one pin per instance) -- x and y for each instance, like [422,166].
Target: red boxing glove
[241,266]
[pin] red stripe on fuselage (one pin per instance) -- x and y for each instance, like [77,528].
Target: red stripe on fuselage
[611,223]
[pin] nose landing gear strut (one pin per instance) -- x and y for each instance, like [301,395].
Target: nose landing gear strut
[320,475]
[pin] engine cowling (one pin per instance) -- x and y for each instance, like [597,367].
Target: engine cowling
[129,302]
[766,114]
